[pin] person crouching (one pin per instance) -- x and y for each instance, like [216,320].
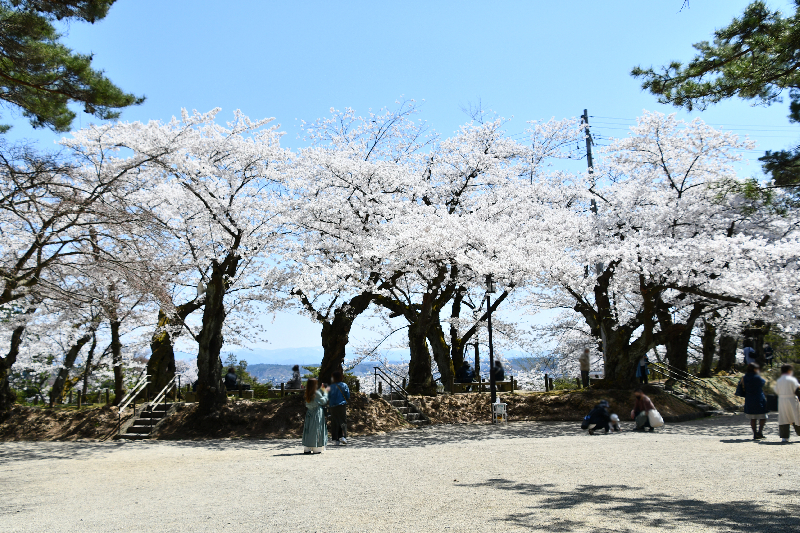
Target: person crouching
[597,419]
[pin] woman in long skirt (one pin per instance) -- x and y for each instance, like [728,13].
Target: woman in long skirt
[315,432]
[788,405]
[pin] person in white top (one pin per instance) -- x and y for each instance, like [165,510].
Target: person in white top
[788,404]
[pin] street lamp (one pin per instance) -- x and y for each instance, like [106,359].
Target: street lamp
[490,289]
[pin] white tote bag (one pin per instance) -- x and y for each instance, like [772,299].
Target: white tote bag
[655,418]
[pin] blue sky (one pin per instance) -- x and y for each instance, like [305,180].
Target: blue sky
[295,60]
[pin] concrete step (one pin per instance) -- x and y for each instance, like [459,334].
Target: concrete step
[403,410]
[134,436]
[398,403]
[413,416]
[418,422]
[136,428]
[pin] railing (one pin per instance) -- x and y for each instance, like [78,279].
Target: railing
[383,374]
[695,387]
[131,397]
[162,395]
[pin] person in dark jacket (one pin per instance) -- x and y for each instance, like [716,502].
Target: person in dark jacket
[598,418]
[755,401]
[769,354]
[337,401]
[498,372]
[465,374]
[230,379]
[295,382]
[641,405]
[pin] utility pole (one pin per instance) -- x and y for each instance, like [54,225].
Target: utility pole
[598,267]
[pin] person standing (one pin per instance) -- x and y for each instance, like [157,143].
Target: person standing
[642,370]
[641,405]
[769,354]
[315,433]
[586,366]
[337,399]
[788,404]
[755,402]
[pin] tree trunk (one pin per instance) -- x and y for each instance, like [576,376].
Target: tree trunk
[336,335]
[7,396]
[88,366]
[116,358]
[441,353]
[211,392]
[727,353]
[420,378]
[161,365]
[709,348]
[57,392]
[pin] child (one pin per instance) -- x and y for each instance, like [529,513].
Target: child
[614,422]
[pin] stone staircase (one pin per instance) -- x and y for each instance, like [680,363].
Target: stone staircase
[143,424]
[685,398]
[409,411]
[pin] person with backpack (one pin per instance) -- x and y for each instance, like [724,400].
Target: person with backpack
[749,353]
[337,399]
[751,388]
[642,370]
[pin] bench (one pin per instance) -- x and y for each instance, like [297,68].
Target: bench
[483,386]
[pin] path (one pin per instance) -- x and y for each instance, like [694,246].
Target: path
[697,476]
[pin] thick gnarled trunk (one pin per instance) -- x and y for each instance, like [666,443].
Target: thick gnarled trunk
[420,378]
[211,392]
[336,334]
[161,365]
[709,348]
[7,396]
[727,353]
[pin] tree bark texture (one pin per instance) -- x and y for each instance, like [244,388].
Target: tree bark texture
[336,334]
[727,353]
[161,366]
[7,396]
[420,377]
[116,361]
[709,348]
[57,392]
[211,392]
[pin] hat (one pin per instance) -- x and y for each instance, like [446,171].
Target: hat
[615,418]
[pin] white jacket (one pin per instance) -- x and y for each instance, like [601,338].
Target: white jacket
[788,404]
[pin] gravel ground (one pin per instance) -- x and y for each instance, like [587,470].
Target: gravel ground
[705,475]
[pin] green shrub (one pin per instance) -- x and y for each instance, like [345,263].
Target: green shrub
[564,384]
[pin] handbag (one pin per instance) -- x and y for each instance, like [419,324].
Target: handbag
[655,418]
[772,402]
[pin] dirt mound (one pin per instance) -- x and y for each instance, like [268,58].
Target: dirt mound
[36,423]
[540,406]
[279,418]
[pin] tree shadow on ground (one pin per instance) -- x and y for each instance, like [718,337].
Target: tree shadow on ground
[628,509]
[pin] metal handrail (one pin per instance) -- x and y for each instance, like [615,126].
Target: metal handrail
[384,375]
[695,387]
[131,397]
[162,395]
